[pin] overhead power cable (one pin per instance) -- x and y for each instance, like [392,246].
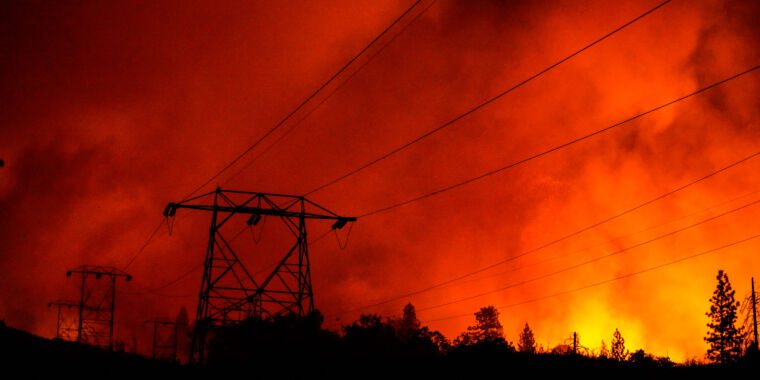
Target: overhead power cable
[304,102]
[600,244]
[607,281]
[337,88]
[558,147]
[592,260]
[562,238]
[483,104]
[287,117]
[195,268]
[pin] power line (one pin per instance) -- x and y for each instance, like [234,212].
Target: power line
[562,238]
[304,102]
[326,98]
[513,270]
[556,148]
[144,245]
[483,104]
[590,261]
[656,267]
[250,148]
[172,282]
[199,266]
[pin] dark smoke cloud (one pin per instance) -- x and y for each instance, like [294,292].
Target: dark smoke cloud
[109,110]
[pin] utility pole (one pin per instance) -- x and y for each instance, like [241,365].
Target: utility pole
[575,343]
[229,293]
[754,313]
[97,304]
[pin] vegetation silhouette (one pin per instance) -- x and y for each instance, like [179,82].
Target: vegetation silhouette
[373,346]
[527,342]
[618,351]
[724,338]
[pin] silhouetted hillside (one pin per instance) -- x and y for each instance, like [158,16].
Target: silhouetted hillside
[33,355]
[293,348]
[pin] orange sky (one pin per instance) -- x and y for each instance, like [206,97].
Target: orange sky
[109,110]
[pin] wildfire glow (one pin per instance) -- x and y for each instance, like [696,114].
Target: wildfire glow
[112,109]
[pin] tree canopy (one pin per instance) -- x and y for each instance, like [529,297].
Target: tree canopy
[724,338]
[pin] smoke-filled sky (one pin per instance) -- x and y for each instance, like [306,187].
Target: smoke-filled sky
[111,109]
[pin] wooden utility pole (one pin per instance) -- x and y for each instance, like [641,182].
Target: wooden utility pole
[754,312]
[575,343]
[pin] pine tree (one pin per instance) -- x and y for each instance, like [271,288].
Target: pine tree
[724,337]
[527,342]
[408,326]
[409,321]
[618,351]
[487,328]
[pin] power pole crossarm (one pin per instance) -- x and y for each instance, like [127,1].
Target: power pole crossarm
[95,324]
[229,293]
[340,221]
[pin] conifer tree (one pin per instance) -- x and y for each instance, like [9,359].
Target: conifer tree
[617,350]
[723,337]
[527,342]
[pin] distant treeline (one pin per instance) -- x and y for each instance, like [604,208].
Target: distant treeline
[389,344]
[383,343]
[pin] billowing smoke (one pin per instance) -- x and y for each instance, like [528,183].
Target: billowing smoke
[109,110]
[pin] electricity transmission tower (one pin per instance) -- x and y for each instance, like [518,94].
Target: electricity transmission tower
[229,293]
[67,316]
[97,303]
[164,339]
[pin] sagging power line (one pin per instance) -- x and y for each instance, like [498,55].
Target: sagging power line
[594,259]
[481,105]
[292,113]
[607,281]
[303,103]
[558,147]
[327,97]
[561,238]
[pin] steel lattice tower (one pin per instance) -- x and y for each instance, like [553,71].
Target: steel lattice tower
[229,293]
[67,319]
[97,304]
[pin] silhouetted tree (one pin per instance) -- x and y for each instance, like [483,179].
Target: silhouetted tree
[527,342]
[440,341]
[724,337]
[603,351]
[487,327]
[418,339]
[371,335]
[640,358]
[299,339]
[618,351]
[408,326]
[409,319]
[486,336]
